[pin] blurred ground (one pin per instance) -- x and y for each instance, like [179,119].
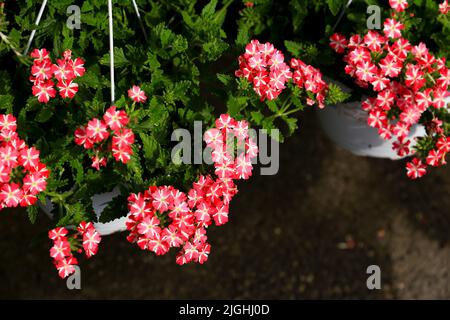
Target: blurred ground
[308,232]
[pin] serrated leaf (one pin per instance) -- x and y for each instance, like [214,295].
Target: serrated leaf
[334,6]
[292,124]
[150,146]
[236,105]
[224,78]
[293,47]
[257,117]
[209,9]
[45,114]
[33,212]
[119,59]
[6,102]
[243,36]
[272,105]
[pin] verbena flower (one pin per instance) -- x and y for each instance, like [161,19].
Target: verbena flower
[163,217]
[409,86]
[64,71]
[63,249]
[15,156]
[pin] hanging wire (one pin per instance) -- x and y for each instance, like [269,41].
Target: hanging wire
[111,50]
[111,37]
[140,19]
[342,15]
[38,20]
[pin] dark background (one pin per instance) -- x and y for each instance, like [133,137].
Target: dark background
[308,232]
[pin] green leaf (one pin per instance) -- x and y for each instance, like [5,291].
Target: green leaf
[257,117]
[33,212]
[165,35]
[243,36]
[6,102]
[334,6]
[45,114]
[209,10]
[236,105]
[150,146]
[292,124]
[213,49]
[272,105]
[75,213]
[90,79]
[224,78]
[119,58]
[79,171]
[293,47]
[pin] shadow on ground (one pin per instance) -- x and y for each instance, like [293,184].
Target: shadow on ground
[308,232]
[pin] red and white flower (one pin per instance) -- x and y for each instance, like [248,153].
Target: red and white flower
[393,28]
[65,266]
[44,90]
[65,70]
[91,240]
[444,7]
[60,249]
[115,119]
[415,169]
[338,43]
[67,89]
[97,130]
[137,94]
[398,5]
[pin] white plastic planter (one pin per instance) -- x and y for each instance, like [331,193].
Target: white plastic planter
[346,125]
[99,203]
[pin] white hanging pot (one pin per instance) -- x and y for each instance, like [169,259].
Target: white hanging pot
[346,125]
[99,203]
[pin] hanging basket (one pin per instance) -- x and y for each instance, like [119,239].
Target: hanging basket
[346,125]
[99,203]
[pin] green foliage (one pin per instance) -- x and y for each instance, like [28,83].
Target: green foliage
[185,62]
[183,38]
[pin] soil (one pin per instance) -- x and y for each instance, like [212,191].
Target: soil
[310,231]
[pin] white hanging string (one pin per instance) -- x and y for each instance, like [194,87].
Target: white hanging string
[38,20]
[111,49]
[140,20]
[342,15]
[111,37]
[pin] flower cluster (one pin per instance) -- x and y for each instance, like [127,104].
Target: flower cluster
[410,86]
[309,78]
[164,217]
[64,71]
[227,136]
[22,174]
[263,65]
[63,245]
[95,136]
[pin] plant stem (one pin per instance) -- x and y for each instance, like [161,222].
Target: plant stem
[289,112]
[431,78]
[6,40]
